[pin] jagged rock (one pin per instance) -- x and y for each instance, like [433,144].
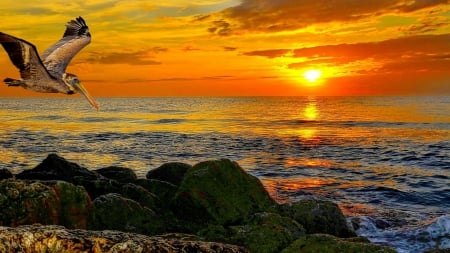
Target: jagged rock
[329,244]
[318,216]
[262,233]
[55,167]
[5,174]
[50,202]
[121,174]
[219,192]
[169,172]
[113,211]
[57,239]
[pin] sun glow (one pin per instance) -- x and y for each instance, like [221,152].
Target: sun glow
[312,75]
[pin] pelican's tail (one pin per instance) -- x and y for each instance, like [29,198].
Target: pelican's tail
[13,82]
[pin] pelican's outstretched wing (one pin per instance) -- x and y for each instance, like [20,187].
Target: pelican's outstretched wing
[76,37]
[24,56]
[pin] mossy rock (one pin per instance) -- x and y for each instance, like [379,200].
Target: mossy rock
[266,233]
[75,205]
[164,190]
[140,195]
[98,187]
[169,172]
[121,174]
[318,216]
[5,174]
[49,203]
[322,243]
[113,211]
[219,192]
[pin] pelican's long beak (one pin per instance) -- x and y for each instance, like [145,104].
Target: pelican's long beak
[80,88]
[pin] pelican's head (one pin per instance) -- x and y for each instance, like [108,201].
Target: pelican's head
[74,84]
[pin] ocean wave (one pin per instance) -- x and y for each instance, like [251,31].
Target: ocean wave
[435,234]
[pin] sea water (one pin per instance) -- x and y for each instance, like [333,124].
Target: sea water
[384,160]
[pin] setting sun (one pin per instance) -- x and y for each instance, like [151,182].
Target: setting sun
[312,75]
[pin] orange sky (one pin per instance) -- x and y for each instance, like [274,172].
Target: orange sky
[248,47]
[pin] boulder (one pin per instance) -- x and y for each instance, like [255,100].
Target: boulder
[121,174]
[57,239]
[5,174]
[318,216]
[55,167]
[262,233]
[99,186]
[52,202]
[169,172]
[112,211]
[219,192]
[329,244]
[164,190]
[140,195]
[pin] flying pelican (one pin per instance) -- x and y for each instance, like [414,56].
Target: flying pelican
[48,72]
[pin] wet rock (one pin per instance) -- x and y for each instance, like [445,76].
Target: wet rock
[169,172]
[112,211]
[140,195]
[5,174]
[55,167]
[219,192]
[263,233]
[329,244]
[437,251]
[99,186]
[164,190]
[318,216]
[121,174]
[55,239]
[51,202]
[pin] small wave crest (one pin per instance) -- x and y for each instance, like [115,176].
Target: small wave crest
[434,234]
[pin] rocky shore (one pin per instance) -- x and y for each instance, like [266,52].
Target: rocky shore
[213,206]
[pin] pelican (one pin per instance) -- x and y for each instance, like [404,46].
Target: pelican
[48,73]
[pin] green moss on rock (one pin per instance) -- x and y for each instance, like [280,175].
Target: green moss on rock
[318,216]
[322,243]
[112,211]
[49,202]
[170,172]
[219,192]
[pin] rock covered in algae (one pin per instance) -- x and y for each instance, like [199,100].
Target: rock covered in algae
[50,202]
[57,239]
[219,192]
[170,172]
[329,244]
[318,216]
[121,174]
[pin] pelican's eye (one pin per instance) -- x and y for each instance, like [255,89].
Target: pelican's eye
[75,81]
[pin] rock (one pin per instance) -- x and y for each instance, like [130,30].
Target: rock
[121,174]
[51,202]
[164,190]
[55,167]
[5,174]
[112,211]
[219,192]
[140,195]
[329,244]
[437,251]
[318,216]
[169,172]
[266,233]
[56,239]
[99,186]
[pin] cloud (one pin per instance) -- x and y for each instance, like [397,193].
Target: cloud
[412,53]
[282,15]
[229,48]
[131,58]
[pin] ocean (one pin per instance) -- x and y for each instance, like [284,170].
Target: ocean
[384,160]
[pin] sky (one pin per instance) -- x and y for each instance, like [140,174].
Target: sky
[244,48]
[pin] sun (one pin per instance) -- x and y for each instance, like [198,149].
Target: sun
[312,75]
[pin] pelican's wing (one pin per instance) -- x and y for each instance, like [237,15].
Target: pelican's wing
[76,37]
[24,56]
